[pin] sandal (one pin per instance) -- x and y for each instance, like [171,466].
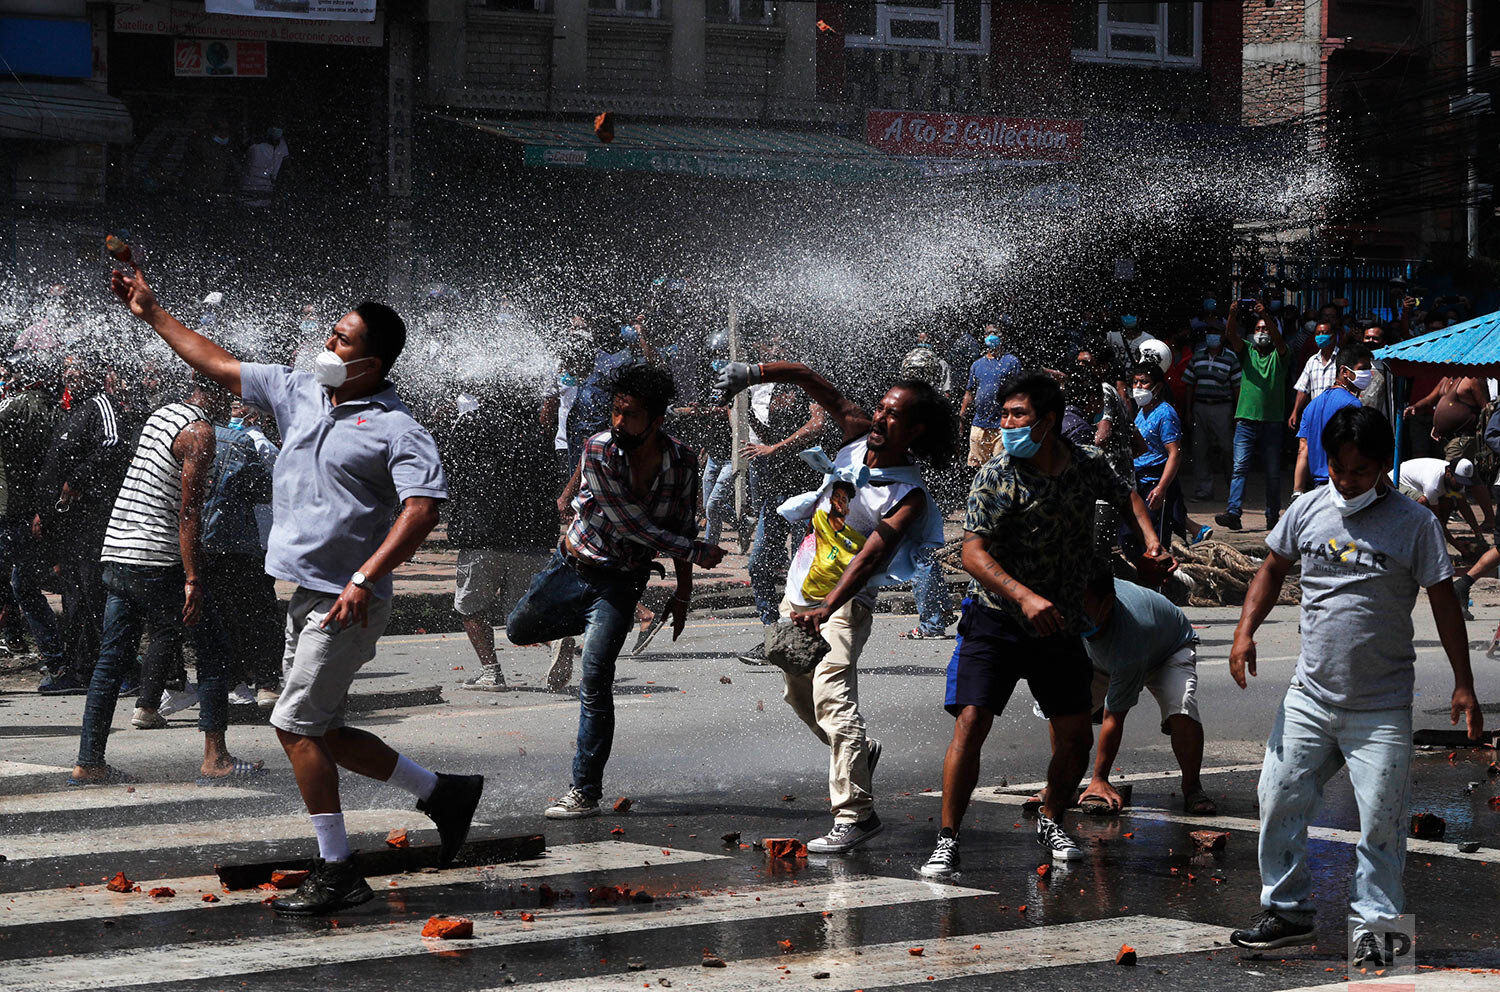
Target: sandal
[112,776]
[1198,804]
[239,771]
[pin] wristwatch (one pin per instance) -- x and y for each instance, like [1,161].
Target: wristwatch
[359,580]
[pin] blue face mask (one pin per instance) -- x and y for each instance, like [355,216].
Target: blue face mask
[992,340]
[628,333]
[718,364]
[1096,418]
[1210,304]
[308,327]
[1324,340]
[1274,306]
[1090,632]
[1212,340]
[1018,442]
[567,379]
[1128,321]
[237,423]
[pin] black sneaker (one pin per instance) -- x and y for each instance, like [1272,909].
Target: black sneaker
[1056,840]
[944,860]
[332,886]
[451,806]
[846,836]
[62,684]
[1372,952]
[489,680]
[1271,521]
[1226,519]
[755,656]
[1269,931]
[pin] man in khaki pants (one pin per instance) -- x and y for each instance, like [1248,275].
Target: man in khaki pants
[868,521]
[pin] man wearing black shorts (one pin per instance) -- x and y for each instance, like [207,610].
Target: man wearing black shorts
[1029,550]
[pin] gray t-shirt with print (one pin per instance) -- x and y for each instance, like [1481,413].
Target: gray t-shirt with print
[1360,578]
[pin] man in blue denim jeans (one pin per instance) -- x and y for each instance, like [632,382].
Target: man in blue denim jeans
[153,571]
[1365,551]
[637,499]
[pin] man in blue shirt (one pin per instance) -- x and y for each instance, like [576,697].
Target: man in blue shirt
[1156,468]
[352,459]
[1356,367]
[987,377]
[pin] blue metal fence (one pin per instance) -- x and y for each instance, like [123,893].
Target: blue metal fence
[1365,283]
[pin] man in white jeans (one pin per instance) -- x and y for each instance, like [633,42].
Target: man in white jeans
[1365,551]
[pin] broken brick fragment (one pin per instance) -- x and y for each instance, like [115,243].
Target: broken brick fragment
[1428,826]
[1210,840]
[617,832]
[784,847]
[785,945]
[397,838]
[1043,870]
[528,917]
[210,897]
[1126,955]
[288,879]
[712,960]
[622,805]
[119,883]
[449,928]
[162,892]
[916,952]
[604,127]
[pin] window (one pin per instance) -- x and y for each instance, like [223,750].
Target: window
[628,8]
[1164,33]
[954,24]
[524,6]
[742,11]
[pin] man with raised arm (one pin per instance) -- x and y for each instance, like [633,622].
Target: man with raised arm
[353,457]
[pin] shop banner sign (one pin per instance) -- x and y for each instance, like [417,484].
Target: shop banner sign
[726,165]
[180,18]
[946,136]
[312,10]
[212,57]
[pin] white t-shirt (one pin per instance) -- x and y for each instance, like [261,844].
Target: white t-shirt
[833,540]
[1425,475]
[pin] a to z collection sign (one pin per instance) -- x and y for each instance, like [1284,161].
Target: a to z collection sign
[218,57]
[934,135]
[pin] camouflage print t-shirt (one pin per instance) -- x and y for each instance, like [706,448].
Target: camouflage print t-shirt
[1040,528]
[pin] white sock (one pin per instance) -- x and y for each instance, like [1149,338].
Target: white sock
[412,777]
[333,842]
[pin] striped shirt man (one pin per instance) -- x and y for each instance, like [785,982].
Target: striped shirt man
[143,528]
[1212,378]
[614,528]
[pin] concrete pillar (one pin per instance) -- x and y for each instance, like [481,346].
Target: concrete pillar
[798,72]
[689,45]
[398,162]
[570,46]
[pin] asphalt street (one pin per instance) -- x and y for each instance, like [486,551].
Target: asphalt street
[705,747]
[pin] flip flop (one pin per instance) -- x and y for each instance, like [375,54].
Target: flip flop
[649,631]
[112,776]
[240,771]
[1198,804]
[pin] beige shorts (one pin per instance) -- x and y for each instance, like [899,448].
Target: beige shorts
[1174,683]
[486,576]
[984,444]
[318,665]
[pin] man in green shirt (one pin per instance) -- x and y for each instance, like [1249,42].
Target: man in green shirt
[1260,412]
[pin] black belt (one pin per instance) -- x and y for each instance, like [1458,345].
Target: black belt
[595,572]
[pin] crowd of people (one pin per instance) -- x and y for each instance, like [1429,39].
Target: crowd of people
[168,504]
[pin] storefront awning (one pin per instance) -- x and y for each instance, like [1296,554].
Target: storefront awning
[62,112]
[729,153]
[1468,348]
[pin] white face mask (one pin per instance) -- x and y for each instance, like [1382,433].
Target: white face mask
[1143,397]
[331,371]
[1362,378]
[1262,338]
[1349,507]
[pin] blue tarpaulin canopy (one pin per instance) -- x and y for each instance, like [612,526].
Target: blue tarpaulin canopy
[1471,347]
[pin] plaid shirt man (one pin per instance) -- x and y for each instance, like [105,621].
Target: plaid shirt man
[1318,375]
[613,528]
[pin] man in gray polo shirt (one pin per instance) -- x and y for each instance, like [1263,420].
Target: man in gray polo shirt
[352,458]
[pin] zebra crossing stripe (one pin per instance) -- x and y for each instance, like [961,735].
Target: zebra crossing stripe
[21,769]
[220,959]
[1454,980]
[117,797]
[1174,773]
[1334,835]
[205,833]
[38,906]
[893,965]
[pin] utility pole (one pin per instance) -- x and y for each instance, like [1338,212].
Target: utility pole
[1471,38]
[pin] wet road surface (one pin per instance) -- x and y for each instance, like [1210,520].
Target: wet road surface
[702,758]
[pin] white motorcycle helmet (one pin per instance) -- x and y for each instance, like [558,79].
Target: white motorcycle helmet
[1156,351]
